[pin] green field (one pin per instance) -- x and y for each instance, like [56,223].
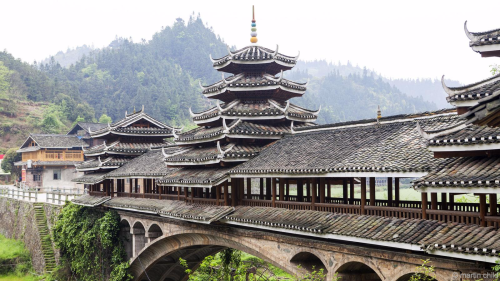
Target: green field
[14,252]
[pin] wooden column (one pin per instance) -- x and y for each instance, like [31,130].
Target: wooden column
[193,190]
[313,194]
[363,196]
[389,192]
[261,186]
[106,187]
[234,191]
[396,192]
[159,191]
[321,190]
[444,204]
[273,192]
[344,191]
[300,190]
[328,190]
[493,204]
[268,188]
[351,191]
[482,208]
[178,193]
[434,199]
[249,188]
[282,189]
[186,194]
[308,189]
[226,194]
[217,194]
[372,191]
[424,205]
[452,202]
[287,190]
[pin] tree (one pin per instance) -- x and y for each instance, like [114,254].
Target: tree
[9,159]
[104,119]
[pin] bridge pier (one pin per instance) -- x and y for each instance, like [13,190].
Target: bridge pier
[138,238]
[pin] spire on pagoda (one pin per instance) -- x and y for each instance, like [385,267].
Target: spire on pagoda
[254,28]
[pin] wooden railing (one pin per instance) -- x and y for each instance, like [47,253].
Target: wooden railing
[256,203]
[454,216]
[394,212]
[53,155]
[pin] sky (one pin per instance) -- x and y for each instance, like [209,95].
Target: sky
[398,39]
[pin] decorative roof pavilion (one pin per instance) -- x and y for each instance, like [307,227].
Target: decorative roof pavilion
[255,112]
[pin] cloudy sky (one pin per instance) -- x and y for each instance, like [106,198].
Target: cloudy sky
[399,39]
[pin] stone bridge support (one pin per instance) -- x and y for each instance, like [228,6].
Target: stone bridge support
[168,240]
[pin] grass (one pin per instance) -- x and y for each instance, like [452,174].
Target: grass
[14,277]
[11,248]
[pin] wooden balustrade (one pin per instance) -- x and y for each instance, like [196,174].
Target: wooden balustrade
[256,203]
[454,216]
[53,155]
[293,205]
[394,212]
[97,193]
[338,208]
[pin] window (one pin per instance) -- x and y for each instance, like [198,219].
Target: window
[57,174]
[37,177]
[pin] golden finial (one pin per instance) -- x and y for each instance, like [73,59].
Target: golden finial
[379,113]
[134,108]
[253,39]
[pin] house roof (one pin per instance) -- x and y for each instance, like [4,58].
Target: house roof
[52,141]
[149,164]
[490,37]
[120,148]
[97,164]
[393,146]
[470,135]
[91,178]
[86,126]
[463,172]
[252,58]
[213,154]
[486,112]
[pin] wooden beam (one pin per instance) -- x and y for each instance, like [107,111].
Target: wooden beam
[396,192]
[363,195]
[313,194]
[344,190]
[321,190]
[351,191]
[493,204]
[424,205]
[482,208]
[372,191]
[389,192]
[226,193]
[282,189]
[273,192]
[249,188]
[434,199]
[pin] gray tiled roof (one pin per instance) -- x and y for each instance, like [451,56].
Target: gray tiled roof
[92,178]
[90,201]
[428,234]
[171,208]
[195,176]
[474,91]
[395,146]
[49,163]
[210,154]
[107,163]
[121,148]
[53,141]
[149,164]
[485,112]
[472,134]
[464,172]
[490,37]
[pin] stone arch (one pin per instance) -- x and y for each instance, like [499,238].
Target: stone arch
[358,268]
[154,231]
[161,258]
[308,261]
[138,237]
[407,277]
[126,238]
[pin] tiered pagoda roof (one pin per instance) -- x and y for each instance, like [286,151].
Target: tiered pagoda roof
[120,148]
[254,57]
[104,164]
[254,110]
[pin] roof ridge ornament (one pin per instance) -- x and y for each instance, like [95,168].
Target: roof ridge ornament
[297,56]
[229,51]
[446,89]
[213,61]
[315,113]
[291,128]
[471,36]
[223,152]
[278,106]
[223,79]
[201,86]
[99,159]
[126,114]
[276,52]
[226,128]
[422,132]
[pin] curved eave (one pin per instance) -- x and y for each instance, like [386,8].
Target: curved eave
[164,135]
[233,65]
[206,184]
[255,136]
[201,140]
[192,163]
[272,87]
[97,168]
[453,91]
[300,119]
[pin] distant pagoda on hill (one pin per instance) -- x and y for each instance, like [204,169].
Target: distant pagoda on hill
[254,113]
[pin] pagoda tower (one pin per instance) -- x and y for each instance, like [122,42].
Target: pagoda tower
[253,111]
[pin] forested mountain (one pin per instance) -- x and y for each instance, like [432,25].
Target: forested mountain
[33,101]
[429,89]
[70,56]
